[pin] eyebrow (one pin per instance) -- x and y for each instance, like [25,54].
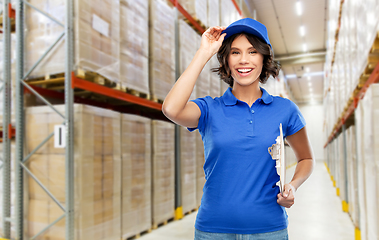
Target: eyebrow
[235,48]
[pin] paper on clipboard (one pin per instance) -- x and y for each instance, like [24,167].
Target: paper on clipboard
[277,153]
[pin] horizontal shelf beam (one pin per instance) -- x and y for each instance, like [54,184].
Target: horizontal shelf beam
[188,16]
[112,93]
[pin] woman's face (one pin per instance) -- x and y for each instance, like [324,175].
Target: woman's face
[244,61]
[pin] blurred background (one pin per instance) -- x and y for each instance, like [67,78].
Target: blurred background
[86,152]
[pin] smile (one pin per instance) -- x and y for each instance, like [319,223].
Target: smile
[244,70]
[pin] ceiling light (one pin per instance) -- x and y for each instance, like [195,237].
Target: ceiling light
[299,9]
[307,69]
[309,84]
[304,47]
[309,78]
[302,31]
[311,90]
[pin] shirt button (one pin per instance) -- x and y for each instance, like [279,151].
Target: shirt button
[252,111]
[251,121]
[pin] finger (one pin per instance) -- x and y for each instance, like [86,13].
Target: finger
[287,190]
[221,39]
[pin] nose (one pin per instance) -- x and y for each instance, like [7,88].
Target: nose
[244,59]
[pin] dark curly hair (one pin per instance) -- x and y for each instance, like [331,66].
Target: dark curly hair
[270,67]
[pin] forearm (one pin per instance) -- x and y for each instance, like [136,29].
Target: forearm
[303,170]
[180,93]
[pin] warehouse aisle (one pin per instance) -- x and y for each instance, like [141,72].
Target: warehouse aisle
[317,214]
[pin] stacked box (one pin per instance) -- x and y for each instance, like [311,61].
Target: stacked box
[96,36]
[213,13]
[198,9]
[214,81]
[163,164]
[342,168]
[200,175]
[136,175]
[203,81]
[188,45]
[359,124]
[371,158]
[97,163]
[228,13]
[134,45]
[162,48]
[353,175]
[188,169]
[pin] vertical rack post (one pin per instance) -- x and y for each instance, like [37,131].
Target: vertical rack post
[345,206]
[6,122]
[178,183]
[69,104]
[19,211]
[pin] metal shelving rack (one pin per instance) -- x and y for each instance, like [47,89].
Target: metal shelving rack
[7,126]
[71,82]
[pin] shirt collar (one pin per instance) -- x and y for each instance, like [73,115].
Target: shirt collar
[229,99]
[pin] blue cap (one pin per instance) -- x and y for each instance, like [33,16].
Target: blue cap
[248,25]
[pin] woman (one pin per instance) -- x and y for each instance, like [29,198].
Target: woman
[240,196]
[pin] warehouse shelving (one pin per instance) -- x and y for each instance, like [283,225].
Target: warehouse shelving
[134,104]
[7,131]
[374,78]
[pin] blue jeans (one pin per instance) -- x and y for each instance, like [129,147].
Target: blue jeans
[277,235]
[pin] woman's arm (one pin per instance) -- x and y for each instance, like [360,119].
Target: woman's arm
[176,106]
[299,142]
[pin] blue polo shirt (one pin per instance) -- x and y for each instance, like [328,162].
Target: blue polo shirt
[240,192]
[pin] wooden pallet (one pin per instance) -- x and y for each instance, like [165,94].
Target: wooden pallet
[56,82]
[193,27]
[191,211]
[164,223]
[155,99]
[138,235]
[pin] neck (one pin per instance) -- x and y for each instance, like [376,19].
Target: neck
[248,94]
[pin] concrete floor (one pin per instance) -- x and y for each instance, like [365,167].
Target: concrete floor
[316,215]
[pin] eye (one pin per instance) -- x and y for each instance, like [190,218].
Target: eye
[235,52]
[253,52]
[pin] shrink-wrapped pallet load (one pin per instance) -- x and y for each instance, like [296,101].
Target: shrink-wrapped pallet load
[371,158]
[200,175]
[97,171]
[362,187]
[96,37]
[342,178]
[161,48]
[353,175]
[213,13]
[136,175]
[198,9]
[214,81]
[188,169]
[188,45]
[134,45]
[203,81]
[163,164]
[228,13]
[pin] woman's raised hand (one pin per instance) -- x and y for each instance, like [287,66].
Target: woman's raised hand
[212,39]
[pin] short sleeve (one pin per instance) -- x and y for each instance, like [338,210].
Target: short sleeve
[296,120]
[202,103]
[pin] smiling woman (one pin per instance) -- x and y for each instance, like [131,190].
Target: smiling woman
[256,46]
[240,195]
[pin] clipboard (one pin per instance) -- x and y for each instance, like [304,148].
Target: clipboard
[277,153]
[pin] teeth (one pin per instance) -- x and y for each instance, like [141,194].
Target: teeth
[244,70]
